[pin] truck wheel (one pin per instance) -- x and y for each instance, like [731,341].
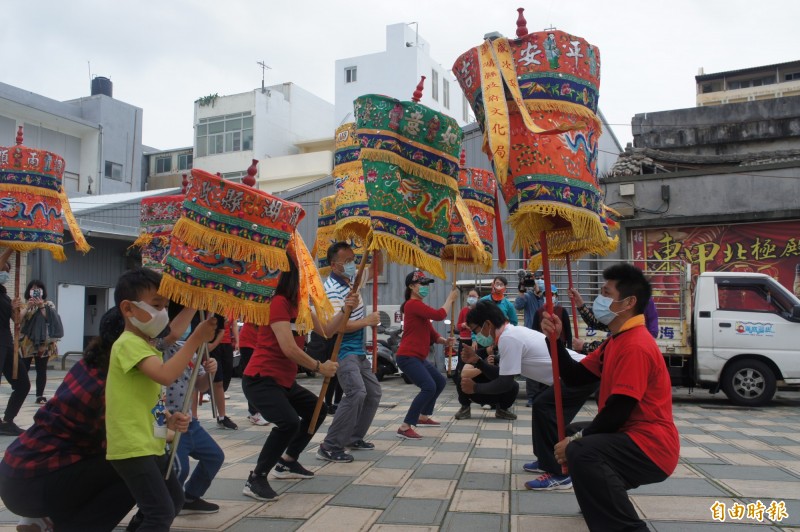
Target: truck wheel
[749,382]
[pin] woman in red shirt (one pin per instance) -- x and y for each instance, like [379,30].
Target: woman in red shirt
[412,353]
[269,384]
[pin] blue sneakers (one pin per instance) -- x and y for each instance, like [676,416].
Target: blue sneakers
[549,482]
[532,467]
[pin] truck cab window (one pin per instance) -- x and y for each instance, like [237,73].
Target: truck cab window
[747,298]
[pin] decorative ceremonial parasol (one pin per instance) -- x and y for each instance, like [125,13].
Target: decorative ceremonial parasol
[157,217]
[32,201]
[409,155]
[536,100]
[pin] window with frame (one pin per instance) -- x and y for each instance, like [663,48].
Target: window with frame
[223,134]
[351,74]
[435,85]
[748,298]
[185,161]
[113,171]
[163,164]
[446,94]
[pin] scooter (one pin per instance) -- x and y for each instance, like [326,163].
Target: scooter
[387,348]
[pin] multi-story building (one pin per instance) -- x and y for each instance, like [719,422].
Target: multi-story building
[395,72]
[99,137]
[748,84]
[165,168]
[288,129]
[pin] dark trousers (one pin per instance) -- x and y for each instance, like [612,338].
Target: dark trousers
[464,399]
[290,410]
[19,386]
[543,422]
[41,372]
[430,382]
[503,400]
[88,496]
[223,354]
[246,353]
[158,500]
[333,395]
[603,468]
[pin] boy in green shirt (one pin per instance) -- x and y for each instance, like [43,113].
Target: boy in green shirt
[136,419]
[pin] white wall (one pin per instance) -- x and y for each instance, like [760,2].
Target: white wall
[396,72]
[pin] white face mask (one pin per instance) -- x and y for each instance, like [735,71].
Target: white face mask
[159,319]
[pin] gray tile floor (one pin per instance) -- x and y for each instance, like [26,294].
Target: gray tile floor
[467,475]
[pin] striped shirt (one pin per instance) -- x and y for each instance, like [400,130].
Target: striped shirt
[337,290]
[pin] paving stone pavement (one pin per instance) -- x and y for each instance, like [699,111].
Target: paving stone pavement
[467,475]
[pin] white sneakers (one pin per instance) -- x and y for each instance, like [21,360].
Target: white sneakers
[257,419]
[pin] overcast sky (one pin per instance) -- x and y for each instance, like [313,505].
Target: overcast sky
[163,54]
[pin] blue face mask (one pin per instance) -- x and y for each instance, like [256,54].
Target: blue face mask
[602,310]
[483,340]
[424,290]
[350,270]
[471,301]
[4,277]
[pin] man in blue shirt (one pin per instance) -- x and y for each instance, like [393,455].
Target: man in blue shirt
[362,392]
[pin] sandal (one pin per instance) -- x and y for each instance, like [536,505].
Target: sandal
[41,400]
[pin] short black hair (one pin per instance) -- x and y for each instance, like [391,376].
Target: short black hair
[630,282]
[486,311]
[501,279]
[335,248]
[35,283]
[132,284]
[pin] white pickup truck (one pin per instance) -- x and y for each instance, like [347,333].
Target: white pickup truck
[744,338]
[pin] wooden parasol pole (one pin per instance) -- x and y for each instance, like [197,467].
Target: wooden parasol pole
[188,399]
[374,307]
[17,324]
[553,341]
[336,346]
[453,319]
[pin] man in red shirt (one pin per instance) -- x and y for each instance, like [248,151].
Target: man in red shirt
[633,439]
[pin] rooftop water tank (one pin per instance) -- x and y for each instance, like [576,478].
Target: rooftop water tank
[102,85]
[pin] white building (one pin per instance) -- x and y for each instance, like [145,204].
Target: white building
[396,72]
[100,138]
[284,127]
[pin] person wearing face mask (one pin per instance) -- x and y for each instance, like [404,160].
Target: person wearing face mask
[465,337]
[40,332]
[589,318]
[362,391]
[412,353]
[498,296]
[10,309]
[135,410]
[633,439]
[531,299]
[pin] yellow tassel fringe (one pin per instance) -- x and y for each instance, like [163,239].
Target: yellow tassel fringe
[409,167]
[404,253]
[353,228]
[235,247]
[80,242]
[583,234]
[213,301]
[26,189]
[24,247]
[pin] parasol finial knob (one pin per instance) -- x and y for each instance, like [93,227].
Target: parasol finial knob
[522,24]
[418,93]
[184,184]
[463,161]
[19,136]
[250,178]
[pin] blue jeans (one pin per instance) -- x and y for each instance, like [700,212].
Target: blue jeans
[198,444]
[430,381]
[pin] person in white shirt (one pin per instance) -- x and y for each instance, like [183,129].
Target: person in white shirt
[525,352]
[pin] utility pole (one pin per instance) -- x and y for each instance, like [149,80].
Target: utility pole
[264,68]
